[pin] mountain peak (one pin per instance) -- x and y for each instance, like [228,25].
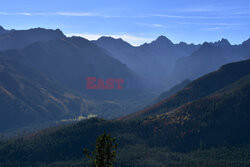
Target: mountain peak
[183,43]
[206,44]
[2,30]
[222,42]
[113,41]
[109,38]
[164,40]
[106,38]
[18,39]
[247,42]
[44,31]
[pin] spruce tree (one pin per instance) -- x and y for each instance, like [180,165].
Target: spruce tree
[104,154]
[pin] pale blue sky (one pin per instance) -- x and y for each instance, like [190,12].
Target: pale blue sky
[136,21]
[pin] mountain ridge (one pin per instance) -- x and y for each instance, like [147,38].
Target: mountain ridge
[152,61]
[17,39]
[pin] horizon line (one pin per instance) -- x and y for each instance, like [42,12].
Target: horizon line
[123,36]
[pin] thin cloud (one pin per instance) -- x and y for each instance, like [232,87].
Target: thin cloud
[69,14]
[206,9]
[213,9]
[218,28]
[151,25]
[21,13]
[212,29]
[189,17]
[86,14]
[196,10]
[90,14]
[157,25]
[74,14]
[211,24]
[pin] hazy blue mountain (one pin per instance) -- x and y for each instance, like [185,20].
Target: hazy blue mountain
[3,31]
[246,43]
[17,39]
[209,57]
[245,49]
[199,88]
[71,60]
[29,99]
[169,63]
[153,61]
[222,43]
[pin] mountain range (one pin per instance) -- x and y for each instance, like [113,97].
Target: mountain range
[169,63]
[70,61]
[153,61]
[17,39]
[209,57]
[209,120]
[199,114]
[30,99]
[66,62]
[43,79]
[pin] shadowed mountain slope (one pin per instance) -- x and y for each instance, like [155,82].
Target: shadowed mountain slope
[71,60]
[27,96]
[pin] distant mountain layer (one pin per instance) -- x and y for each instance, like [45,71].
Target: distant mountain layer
[2,30]
[199,88]
[65,63]
[31,99]
[17,39]
[71,60]
[209,57]
[153,61]
[169,63]
[217,118]
[160,61]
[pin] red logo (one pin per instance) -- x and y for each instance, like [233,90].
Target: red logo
[110,83]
